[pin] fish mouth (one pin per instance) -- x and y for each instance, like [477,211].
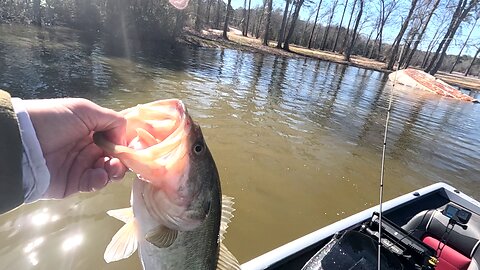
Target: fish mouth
[158,134]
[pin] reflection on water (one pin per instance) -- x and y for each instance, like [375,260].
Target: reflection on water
[297,142]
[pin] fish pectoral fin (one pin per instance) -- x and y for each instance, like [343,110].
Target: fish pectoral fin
[227,215]
[124,243]
[226,260]
[161,236]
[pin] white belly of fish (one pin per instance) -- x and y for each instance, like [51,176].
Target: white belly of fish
[152,257]
[200,249]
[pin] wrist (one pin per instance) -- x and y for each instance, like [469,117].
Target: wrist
[36,177]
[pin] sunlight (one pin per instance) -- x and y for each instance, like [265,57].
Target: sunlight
[32,258]
[72,242]
[34,244]
[43,217]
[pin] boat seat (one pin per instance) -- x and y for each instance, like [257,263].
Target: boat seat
[461,250]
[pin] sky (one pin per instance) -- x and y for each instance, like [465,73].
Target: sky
[390,31]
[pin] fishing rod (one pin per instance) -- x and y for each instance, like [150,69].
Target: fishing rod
[382,168]
[382,174]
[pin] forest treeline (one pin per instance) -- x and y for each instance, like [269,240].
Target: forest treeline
[423,30]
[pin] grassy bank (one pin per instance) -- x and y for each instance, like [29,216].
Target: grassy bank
[213,38]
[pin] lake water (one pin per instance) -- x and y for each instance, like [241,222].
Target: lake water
[297,141]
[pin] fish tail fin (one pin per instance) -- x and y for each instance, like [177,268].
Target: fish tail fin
[226,260]
[124,243]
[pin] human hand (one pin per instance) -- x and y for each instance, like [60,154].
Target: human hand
[64,128]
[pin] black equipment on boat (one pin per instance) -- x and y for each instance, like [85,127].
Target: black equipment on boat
[458,216]
[357,249]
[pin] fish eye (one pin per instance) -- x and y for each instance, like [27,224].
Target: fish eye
[198,148]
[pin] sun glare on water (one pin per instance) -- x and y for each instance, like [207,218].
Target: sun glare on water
[72,242]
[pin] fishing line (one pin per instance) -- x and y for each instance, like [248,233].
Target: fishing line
[382,168]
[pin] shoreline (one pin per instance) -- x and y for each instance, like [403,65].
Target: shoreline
[213,38]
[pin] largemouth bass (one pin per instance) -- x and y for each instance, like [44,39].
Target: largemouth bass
[179,216]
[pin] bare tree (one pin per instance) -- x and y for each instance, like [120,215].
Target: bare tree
[463,46]
[473,61]
[398,39]
[268,17]
[348,50]
[248,17]
[421,33]
[325,36]
[314,25]
[227,18]
[340,26]
[433,42]
[37,17]
[298,6]
[282,27]
[459,15]
[217,18]
[198,23]
[209,6]
[365,50]
[344,43]
[385,10]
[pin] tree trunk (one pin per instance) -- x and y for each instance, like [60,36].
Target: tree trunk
[344,43]
[431,44]
[370,55]
[244,18]
[217,18]
[406,49]
[209,6]
[348,51]
[426,58]
[37,16]
[380,30]
[324,42]
[314,25]
[260,18]
[398,39]
[248,17]
[227,18]
[365,50]
[292,27]
[463,47]
[340,26]
[282,27]
[268,14]
[473,61]
[420,36]
[459,15]
[199,15]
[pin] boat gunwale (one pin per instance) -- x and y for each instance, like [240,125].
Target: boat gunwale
[309,240]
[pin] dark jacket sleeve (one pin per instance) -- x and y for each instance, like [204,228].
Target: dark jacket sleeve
[11,183]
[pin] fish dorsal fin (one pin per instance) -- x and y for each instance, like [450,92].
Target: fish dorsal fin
[124,243]
[161,236]
[227,215]
[145,137]
[226,260]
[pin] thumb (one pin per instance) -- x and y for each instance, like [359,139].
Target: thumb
[97,118]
